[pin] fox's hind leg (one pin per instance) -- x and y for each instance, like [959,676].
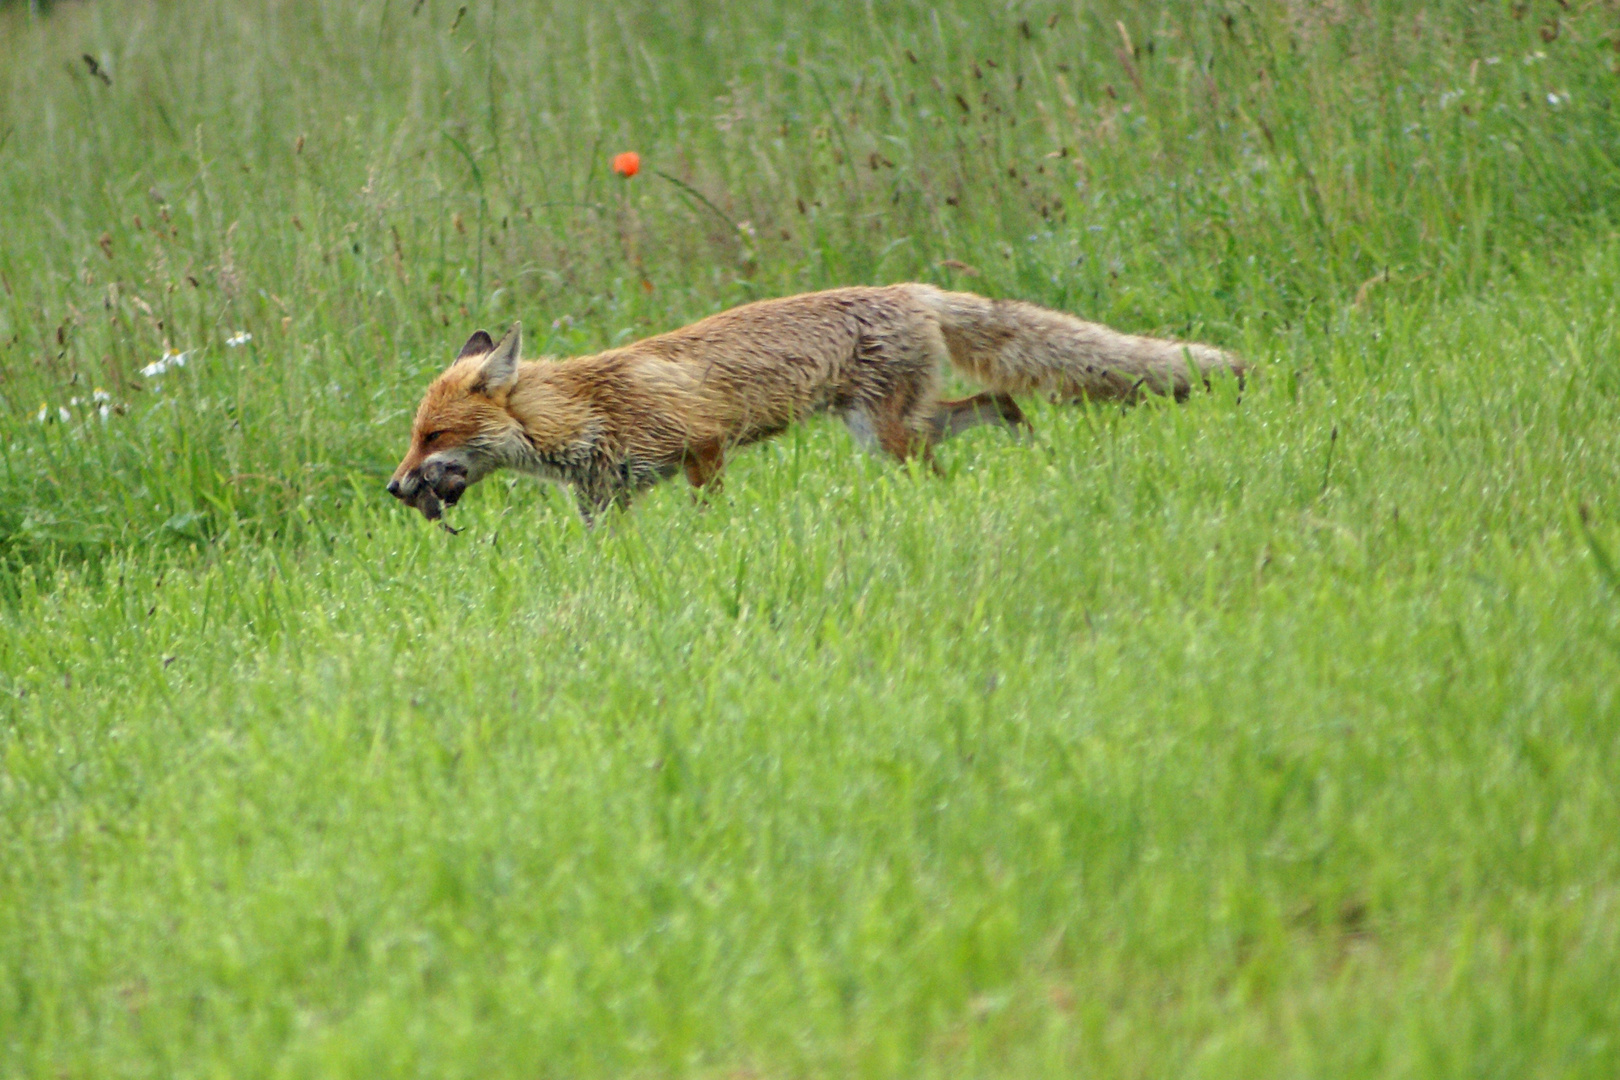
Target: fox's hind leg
[897,407]
[954,417]
[903,424]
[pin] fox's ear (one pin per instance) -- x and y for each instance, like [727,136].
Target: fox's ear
[477,345]
[498,373]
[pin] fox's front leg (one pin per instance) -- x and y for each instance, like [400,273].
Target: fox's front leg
[592,505]
[704,463]
[595,500]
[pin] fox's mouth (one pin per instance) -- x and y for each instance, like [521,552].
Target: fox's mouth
[438,484]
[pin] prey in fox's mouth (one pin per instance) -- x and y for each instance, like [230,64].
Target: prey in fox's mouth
[438,484]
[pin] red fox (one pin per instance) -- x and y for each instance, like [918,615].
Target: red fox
[612,424]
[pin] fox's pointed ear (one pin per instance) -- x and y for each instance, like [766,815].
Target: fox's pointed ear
[499,371]
[477,345]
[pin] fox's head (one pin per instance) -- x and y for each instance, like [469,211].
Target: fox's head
[463,429]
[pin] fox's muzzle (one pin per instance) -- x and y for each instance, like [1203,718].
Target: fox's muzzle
[436,483]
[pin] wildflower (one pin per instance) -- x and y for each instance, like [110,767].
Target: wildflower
[44,414]
[64,414]
[171,358]
[627,164]
[241,337]
[99,399]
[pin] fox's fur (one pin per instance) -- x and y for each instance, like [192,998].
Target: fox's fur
[614,423]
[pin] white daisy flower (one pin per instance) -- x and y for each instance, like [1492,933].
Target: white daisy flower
[173,358]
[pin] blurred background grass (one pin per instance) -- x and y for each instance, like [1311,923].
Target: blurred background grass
[359,185]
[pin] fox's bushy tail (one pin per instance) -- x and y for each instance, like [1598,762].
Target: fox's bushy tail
[1018,348]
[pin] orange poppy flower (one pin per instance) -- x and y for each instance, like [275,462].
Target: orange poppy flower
[627,164]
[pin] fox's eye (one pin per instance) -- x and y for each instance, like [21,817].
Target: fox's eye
[431,437]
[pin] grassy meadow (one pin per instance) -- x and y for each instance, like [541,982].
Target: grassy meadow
[1275,734]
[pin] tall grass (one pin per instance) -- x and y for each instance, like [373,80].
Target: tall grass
[1198,741]
[359,185]
[1270,735]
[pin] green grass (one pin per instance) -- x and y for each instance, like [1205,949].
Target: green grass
[1272,736]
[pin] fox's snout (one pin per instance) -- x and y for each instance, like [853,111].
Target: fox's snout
[426,488]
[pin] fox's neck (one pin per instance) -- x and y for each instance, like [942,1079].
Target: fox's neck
[558,422]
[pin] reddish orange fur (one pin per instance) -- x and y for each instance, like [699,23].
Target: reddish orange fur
[619,421]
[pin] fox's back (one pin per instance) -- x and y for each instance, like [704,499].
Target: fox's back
[821,327]
[771,362]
